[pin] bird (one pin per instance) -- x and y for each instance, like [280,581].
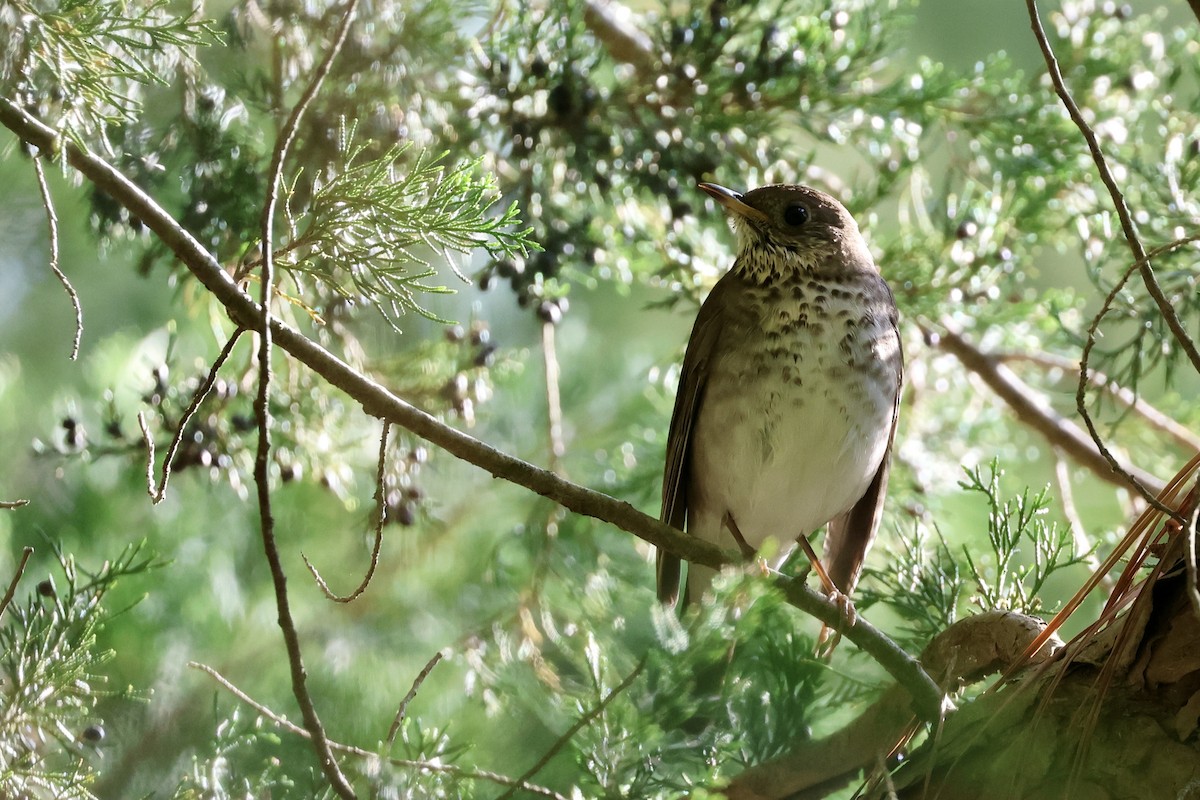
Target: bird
[788,395]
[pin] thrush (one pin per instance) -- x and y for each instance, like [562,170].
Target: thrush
[788,396]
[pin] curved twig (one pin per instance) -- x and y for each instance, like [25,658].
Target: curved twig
[1081,388]
[1033,411]
[157,493]
[380,518]
[1129,399]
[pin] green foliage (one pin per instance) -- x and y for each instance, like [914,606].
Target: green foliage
[360,233]
[929,583]
[53,677]
[86,60]
[1020,520]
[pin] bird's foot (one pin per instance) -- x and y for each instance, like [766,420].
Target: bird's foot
[828,638]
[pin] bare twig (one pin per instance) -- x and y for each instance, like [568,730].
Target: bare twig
[1180,434]
[378,401]
[10,504]
[262,478]
[52,220]
[426,766]
[1165,306]
[408,698]
[380,518]
[579,725]
[1034,412]
[16,578]
[157,493]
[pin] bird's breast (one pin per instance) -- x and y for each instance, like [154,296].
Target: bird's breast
[797,409]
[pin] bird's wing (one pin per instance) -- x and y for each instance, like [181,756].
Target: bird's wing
[705,334]
[850,535]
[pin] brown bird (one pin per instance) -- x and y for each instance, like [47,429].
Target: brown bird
[787,402]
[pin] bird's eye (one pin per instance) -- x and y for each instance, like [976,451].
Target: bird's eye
[795,215]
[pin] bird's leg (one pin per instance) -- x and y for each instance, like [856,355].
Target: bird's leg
[742,544]
[835,594]
[749,552]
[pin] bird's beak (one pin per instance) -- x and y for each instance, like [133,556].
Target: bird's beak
[732,201]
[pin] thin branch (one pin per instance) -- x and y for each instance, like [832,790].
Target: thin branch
[426,766]
[579,725]
[408,698]
[11,504]
[1165,307]
[377,401]
[609,22]
[1081,388]
[1066,499]
[52,220]
[1180,434]
[262,478]
[1035,412]
[553,398]
[380,518]
[157,493]
[16,578]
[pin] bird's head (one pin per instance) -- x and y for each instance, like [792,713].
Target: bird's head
[786,230]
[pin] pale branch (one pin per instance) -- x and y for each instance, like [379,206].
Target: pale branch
[379,402]
[262,406]
[554,415]
[1033,411]
[1180,434]
[1066,500]
[52,223]
[11,504]
[423,766]
[1165,306]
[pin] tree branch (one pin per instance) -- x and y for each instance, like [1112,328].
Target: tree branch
[262,408]
[1032,410]
[1180,434]
[379,402]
